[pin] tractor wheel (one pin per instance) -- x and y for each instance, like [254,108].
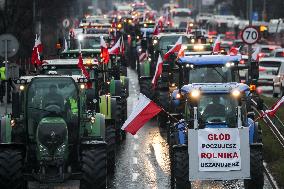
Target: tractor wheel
[146,88]
[111,144]
[11,166]
[180,168]
[123,96]
[256,170]
[94,168]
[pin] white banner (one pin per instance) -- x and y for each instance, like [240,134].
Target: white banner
[219,149]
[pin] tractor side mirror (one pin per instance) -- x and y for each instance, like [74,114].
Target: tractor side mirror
[91,99]
[16,105]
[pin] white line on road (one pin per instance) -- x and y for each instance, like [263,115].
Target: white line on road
[136,136]
[134,176]
[135,147]
[135,161]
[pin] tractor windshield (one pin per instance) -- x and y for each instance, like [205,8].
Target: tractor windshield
[52,97]
[213,75]
[218,109]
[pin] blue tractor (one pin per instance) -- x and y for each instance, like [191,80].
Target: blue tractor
[205,69]
[216,106]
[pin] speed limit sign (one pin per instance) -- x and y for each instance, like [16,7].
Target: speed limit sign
[250,35]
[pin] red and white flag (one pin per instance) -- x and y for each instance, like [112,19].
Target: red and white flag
[272,111]
[234,51]
[116,48]
[156,30]
[174,49]
[188,29]
[255,55]
[104,51]
[143,56]
[158,72]
[82,67]
[37,50]
[217,45]
[141,114]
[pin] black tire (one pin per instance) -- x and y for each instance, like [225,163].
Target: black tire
[11,167]
[146,88]
[123,96]
[111,146]
[180,168]
[256,170]
[118,120]
[94,168]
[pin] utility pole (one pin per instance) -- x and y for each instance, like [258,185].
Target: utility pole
[250,24]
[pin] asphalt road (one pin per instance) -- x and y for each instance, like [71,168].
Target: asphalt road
[143,160]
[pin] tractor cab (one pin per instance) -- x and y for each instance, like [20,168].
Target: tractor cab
[216,105]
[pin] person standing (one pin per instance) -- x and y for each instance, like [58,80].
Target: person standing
[2,81]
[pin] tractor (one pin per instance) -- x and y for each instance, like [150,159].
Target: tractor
[214,106]
[147,68]
[52,138]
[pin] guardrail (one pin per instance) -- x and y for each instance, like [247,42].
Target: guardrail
[277,128]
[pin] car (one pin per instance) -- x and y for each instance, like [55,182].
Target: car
[278,53]
[278,81]
[266,50]
[268,69]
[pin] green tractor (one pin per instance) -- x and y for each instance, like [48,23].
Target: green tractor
[53,138]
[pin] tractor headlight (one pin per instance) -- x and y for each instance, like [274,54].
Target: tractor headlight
[155,41]
[43,150]
[192,40]
[60,150]
[229,64]
[198,47]
[236,93]
[22,87]
[82,86]
[195,93]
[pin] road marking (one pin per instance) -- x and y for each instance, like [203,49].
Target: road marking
[135,147]
[134,176]
[136,136]
[135,161]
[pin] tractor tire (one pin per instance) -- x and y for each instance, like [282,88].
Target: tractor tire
[94,168]
[256,170]
[146,88]
[118,120]
[180,168]
[11,166]
[111,146]
[123,96]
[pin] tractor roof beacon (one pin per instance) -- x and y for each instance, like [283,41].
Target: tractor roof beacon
[230,112]
[52,136]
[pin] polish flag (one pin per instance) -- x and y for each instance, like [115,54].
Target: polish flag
[115,49]
[122,46]
[272,111]
[104,51]
[156,30]
[82,67]
[158,72]
[217,45]
[174,49]
[143,56]
[37,50]
[255,55]
[65,46]
[141,114]
[188,29]
[234,51]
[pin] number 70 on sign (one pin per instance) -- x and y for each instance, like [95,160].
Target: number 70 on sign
[250,35]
